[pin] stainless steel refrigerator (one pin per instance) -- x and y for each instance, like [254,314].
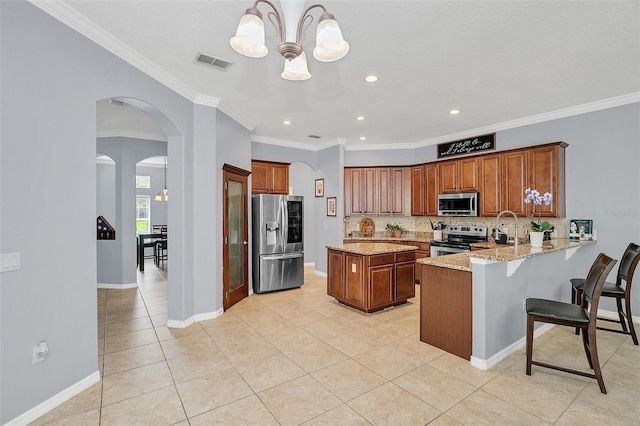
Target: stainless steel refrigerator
[278,251]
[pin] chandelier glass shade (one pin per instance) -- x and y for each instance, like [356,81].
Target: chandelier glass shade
[250,39]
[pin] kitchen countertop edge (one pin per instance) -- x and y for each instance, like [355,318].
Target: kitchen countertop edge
[461,261]
[372,248]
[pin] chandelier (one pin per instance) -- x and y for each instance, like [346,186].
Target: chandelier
[164,194]
[330,46]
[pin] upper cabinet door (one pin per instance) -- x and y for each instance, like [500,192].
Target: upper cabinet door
[489,168]
[360,189]
[514,181]
[431,183]
[546,169]
[467,174]
[448,174]
[417,191]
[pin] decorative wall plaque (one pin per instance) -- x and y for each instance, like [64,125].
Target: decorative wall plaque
[467,146]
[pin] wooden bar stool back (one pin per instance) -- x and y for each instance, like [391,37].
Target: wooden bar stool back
[572,315]
[617,290]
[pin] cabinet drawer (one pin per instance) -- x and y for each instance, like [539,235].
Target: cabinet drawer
[403,257]
[381,259]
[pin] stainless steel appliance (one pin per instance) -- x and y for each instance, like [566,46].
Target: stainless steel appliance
[459,240]
[458,204]
[278,251]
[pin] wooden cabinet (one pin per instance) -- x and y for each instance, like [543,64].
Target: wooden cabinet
[446,316]
[269,177]
[546,174]
[391,184]
[371,282]
[489,171]
[514,182]
[360,191]
[424,190]
[458,175]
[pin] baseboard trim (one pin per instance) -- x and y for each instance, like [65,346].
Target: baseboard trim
[492,361]
[51,403]
[193,319]
[117,286]
[322,274]
[614,315]
[310,264]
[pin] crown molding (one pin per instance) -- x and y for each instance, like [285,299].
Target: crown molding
[298,145]
[212,101]
[535,119]
[131,134]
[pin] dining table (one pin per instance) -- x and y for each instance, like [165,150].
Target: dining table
[141,245]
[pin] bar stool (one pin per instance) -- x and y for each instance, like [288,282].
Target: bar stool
[627,267]
[572,315]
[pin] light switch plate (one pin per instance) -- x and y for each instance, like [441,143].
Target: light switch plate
[10,262]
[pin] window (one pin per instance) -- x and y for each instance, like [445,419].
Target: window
[143,181]
[143,214]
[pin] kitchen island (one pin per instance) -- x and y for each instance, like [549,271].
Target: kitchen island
[472,304]
[371,276]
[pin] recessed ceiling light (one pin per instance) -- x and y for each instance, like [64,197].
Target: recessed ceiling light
[371,79]
[286,122]
[454,112]
[359,118]
[363,138]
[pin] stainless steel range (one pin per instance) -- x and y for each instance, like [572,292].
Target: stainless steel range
[459,240]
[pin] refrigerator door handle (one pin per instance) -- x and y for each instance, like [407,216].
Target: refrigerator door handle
[282,256]
[285,223]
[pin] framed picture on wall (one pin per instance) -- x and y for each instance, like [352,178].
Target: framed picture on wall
[331,206]
[319,188]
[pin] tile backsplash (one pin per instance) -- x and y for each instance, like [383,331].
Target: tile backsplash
[417,225]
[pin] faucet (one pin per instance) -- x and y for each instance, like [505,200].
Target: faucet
[515,240]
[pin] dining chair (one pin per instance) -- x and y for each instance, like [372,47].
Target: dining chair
[617,290]
[582,316]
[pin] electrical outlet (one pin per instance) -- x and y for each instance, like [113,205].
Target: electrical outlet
[37,355]
[353,268]
[40,352]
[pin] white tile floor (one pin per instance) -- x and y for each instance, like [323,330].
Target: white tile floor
[297,357]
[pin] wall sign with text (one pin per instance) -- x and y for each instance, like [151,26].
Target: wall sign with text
[467,146]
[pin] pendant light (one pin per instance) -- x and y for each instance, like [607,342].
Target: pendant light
[164,194]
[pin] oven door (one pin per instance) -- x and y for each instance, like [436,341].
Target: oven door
[443,251]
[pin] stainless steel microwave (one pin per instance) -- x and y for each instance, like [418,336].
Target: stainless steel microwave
[458,204]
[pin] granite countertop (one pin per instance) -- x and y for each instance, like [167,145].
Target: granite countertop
[500,253]
[505,253]
[367,249]
[458,261]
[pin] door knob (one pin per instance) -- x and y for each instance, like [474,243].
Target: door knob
[245,242]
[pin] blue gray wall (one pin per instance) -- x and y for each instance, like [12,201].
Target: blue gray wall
[48,136]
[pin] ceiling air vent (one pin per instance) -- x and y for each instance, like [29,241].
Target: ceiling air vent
[314,136]
[213,62]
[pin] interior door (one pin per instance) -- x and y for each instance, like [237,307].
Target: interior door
[235,236]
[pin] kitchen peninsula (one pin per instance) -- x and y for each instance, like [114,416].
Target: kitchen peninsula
[371,276]
[472,304]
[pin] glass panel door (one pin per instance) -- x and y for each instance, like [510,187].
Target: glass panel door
[236,235]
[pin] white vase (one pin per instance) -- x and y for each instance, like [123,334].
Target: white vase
[536,238]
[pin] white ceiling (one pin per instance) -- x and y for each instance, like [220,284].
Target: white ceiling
[502,63]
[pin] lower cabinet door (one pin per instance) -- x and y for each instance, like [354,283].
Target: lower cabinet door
[354,288]
[380,286]
[335,274]
[405,280]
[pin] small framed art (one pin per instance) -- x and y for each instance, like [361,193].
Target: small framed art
[319,191]
[331,206]
[581,229]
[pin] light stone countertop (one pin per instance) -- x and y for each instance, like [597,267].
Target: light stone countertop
[501,253]
[367,249]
